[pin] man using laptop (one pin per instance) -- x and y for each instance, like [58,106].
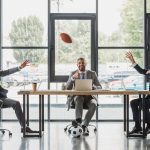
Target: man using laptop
[90,101]
[136,103]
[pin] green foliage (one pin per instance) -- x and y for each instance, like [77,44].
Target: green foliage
[132,26]
[27,31]
[130,33]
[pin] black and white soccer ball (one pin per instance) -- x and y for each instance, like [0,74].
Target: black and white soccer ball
[75,131]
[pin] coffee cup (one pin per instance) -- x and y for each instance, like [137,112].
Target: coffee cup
[63,86]
[34,86]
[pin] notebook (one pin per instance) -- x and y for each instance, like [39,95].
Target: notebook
[83,84]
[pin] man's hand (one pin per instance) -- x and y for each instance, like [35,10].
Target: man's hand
[130,57]
[76,75]
[148,72]
[24,64]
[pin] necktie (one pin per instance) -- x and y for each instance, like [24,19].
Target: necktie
[82,76]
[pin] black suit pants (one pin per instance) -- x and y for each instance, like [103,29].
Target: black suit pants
[136,106]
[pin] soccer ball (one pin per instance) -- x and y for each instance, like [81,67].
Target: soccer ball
[75,131]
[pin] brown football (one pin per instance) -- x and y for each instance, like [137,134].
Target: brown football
[66,38]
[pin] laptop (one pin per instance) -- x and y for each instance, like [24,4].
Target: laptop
[83,84]
[123,87]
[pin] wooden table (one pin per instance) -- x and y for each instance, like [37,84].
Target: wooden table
[41,93]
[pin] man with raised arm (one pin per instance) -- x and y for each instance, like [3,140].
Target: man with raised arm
[136,103]
[8,102]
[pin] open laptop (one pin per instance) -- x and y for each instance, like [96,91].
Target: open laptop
[123,86]
[83,84]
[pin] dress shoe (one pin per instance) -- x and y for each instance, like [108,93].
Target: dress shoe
[29,130]
[85,130]
[76,123]
[136,130]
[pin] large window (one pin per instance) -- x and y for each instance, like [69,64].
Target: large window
[63,55]
[21,19]
[121,29]
[22,80]
[122,24]
[115,69]
[66,54]
[24,27]
[101,31]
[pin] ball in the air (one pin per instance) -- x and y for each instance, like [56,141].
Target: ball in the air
[66,38]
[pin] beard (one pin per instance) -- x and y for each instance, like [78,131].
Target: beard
[82,68]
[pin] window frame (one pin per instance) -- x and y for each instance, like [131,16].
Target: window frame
[72,16]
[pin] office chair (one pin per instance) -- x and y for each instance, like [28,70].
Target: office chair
[86,108]
[3,130]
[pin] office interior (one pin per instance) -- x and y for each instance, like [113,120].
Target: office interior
[102,31]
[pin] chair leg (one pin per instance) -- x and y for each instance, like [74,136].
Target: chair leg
[95,129]
[3,131]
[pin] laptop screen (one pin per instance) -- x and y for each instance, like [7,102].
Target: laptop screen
[83,84]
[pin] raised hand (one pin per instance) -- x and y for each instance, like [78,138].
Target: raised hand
[24,64]
[148,72]
[76,75]
[130,57]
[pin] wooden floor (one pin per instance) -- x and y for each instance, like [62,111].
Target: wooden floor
[109,136]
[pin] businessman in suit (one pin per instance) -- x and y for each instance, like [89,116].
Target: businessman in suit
[90,101]
[136,103]
[7,102]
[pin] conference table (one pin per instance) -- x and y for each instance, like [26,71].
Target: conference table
[41,93]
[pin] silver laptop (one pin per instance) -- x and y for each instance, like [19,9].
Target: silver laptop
[83,84]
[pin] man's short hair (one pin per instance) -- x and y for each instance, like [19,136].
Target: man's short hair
[81,58]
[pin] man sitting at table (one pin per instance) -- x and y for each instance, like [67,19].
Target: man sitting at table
[90,100]
[136,103]
[8,102]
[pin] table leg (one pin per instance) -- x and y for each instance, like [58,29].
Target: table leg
[127,124]
[24,115]
[27,110]
[42,112]
[143,107]
[40,115]
[125,112]
[140,110]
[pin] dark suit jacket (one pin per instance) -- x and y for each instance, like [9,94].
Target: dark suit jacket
[3,92]
[140,70]
[89,75]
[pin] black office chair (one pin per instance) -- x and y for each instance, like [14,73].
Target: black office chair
[3,130]
[84,107]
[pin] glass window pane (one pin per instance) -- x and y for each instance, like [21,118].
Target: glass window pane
[58,104]
[148,6]
[115,73]
[66,54]
[121,23]
[73,6]
[37,71]
[24,24]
